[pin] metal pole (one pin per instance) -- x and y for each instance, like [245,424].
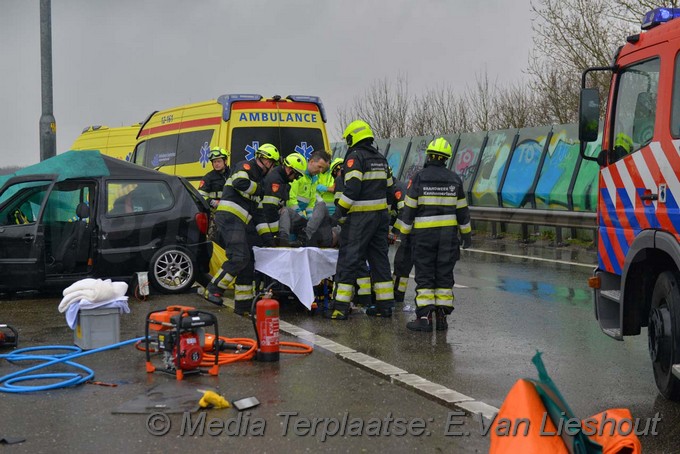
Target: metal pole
[48,125]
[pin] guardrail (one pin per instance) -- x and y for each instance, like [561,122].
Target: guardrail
[551,218]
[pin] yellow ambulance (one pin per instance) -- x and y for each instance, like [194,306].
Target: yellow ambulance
[178,140]
[117,142]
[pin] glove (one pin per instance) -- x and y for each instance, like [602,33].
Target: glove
[392,238]
[268,240]
[466,240]
[214,203]
[321,188]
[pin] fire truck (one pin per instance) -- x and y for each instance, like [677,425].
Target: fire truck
[637,280]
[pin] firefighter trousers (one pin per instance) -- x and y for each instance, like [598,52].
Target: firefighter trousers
[238,240]
[403,263]
[364,238]
[435,252]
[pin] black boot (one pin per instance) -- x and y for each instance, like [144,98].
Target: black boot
[213,294]
[337,311]
[442,324]
[242,308]
[380,310]
[423,323]
[399,296]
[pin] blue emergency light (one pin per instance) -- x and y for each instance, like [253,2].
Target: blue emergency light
[227,100]
[659,16]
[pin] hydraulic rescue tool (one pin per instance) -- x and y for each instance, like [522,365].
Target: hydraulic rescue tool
[9,337]
[179,333]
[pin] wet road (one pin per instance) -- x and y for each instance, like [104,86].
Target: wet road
[506,309]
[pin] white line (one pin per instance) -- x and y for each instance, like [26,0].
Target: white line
[539,259]
[395,374]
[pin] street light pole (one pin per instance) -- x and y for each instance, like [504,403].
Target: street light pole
[48,125]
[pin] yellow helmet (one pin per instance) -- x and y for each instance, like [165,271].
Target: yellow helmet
[439,147]
[624,141]
[335,164]
[268,151]
[357,131]
[218,153]
[296,162]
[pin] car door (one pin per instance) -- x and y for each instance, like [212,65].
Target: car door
[22,234]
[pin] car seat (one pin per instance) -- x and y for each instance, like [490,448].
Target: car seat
[75,248]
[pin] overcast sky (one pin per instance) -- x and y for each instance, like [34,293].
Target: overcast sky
[116,61]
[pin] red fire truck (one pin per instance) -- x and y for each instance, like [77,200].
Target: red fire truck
[637,280]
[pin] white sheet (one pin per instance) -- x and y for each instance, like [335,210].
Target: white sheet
[298,268]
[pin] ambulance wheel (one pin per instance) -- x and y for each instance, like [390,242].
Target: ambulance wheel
[664,333]
[172,270]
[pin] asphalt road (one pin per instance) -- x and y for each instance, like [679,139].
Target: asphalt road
[507,308]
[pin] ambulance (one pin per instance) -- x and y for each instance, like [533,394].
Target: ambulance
[116,142]
[178,140]
[637,280]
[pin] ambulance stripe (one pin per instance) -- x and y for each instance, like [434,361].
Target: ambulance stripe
[270,105]
[181,125]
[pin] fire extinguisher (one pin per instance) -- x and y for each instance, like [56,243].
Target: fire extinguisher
[266,323]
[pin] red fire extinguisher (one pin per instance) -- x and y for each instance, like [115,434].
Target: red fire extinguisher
[267,329]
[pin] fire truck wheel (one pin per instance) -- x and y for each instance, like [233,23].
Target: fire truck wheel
[664,333]
[172,270]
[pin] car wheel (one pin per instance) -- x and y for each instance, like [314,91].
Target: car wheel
[664,333]
[172,270]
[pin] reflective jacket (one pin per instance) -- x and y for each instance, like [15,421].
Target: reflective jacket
[434,198]
[302,196]
[327,180]
[276,189]
[210,187]
[243,192]
[368,183]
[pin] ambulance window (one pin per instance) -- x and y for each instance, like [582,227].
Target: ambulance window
[675,106]
[190,145]
[635,108]
[161,151]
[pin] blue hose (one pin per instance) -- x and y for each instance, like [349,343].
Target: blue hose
[7,382]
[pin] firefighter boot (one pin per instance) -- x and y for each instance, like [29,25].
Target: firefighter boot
[421,323]
[442,324]
[242,308]
[380,310]
[213,294]
[337,311]
[398,296]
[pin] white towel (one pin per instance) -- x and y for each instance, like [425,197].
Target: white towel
[93,290]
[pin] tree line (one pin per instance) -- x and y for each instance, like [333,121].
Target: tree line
[568,37]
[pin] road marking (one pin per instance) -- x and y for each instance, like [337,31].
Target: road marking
[538,259]
[394,374]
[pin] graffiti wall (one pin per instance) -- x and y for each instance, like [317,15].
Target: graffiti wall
[544,169]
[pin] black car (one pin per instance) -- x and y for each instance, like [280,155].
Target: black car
[82,214]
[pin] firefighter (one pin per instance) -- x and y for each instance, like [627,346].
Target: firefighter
[435,209]
[403,263]
[211,185]
[623,145]
[362,211]
[238,223]
[304,218]
[277,188]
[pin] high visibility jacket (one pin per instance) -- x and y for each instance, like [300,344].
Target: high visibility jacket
[302,195]
[368,183]
[276,192]
[210,187]
[434,198]
[242,194]
[327,180]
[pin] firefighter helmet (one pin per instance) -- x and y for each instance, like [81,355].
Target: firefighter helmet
[218,153]
[439,147]
[335,164]
[357,131]
[297,162]
[268,151]
[624,141]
